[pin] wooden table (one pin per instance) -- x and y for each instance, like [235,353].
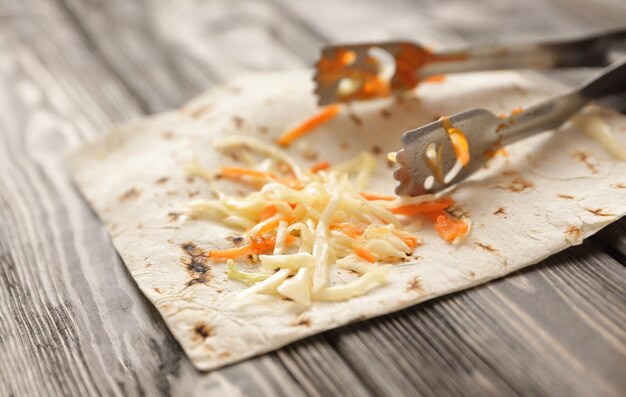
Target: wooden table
[72,321]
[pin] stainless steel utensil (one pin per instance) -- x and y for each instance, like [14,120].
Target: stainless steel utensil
[372,70]
[428,162]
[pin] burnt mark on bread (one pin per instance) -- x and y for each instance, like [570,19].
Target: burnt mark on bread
[302,322]
[196,263]
[565,196]
[486,247]
[235,240]
[573,233]
[500,211]
[173,216]
[415,285]
[263,129]
[517,184]
[131,193]
[162,180]
[355,119]
[598,212]
[385,113]
[238,121]
[583,157]
[376,150]
[201,331]
[619,186]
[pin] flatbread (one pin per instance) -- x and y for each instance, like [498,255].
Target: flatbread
[552,191]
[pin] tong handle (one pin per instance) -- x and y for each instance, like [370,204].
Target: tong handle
[554,112]
[609,82]
[587,51]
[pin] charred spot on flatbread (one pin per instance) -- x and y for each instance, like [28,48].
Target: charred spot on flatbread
[619,186]
[517,184]
[202,331]
[173,216]
[573,233]
[263,129]
[238,121]
[196,263]
[129,194]
[162,180]
[486,247]
[385,113]
[598,211]
[302,321]
[415,285]
[583,157]
[236,240]
[565,196]
[355,119]
[500,211]
[193,193]
[376,150]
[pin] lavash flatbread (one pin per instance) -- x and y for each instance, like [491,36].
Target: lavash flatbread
[551,192]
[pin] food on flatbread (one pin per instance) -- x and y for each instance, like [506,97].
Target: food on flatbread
[551,192]
[594,126]
[301,222]
[458,140]
[308,125]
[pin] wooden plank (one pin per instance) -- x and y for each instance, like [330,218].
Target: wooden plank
[169,52]
[544,331]
[57,260]
[72,321]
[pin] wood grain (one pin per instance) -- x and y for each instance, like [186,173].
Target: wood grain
[72,321]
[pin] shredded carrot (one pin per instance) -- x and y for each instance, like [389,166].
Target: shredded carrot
[322,165]
[374,196]
[363,253]
[257,245]
[420,208]
[268,212]
[516,110]
[436,78]
[238,172]
[410,241]
[348,229]
[459,141]
[269,226]
[447,226]
[308,125]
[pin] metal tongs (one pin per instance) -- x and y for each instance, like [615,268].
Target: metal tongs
[347,73]
[428,162]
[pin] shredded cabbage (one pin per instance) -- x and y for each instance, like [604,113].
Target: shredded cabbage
[598,129]
[302,223]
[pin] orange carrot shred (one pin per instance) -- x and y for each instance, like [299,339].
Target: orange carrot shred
[308,125]
[365,254]
[420,208]
[238,172]
[447,226]
[458,140]
[436,78]
[348,229]
[410,241]
[322,165]
[268,212]
[374,196]
[258,245]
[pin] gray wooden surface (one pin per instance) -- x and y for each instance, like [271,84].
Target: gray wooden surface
[72,321]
